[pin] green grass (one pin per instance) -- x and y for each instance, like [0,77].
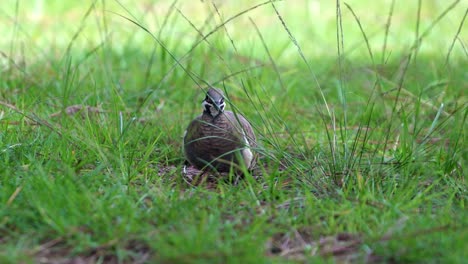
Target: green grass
[363,139]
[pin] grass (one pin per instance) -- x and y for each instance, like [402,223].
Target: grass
[361,118]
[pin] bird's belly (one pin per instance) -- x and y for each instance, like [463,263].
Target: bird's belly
[215,144]
[214,148]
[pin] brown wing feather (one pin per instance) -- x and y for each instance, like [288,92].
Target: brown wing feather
[247,130]
[214,141]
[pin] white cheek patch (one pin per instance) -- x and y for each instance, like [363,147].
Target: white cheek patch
[221,107]
[216,112]
[206,105]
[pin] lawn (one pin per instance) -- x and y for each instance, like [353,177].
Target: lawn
[359,109]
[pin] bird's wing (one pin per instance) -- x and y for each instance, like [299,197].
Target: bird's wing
[241,124]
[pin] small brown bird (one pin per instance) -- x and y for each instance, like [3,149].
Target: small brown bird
[217,139]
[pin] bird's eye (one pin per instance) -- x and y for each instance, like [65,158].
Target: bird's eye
[221,101]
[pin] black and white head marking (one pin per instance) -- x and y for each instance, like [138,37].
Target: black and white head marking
[214,102]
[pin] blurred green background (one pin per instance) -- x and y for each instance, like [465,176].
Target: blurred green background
[362,131]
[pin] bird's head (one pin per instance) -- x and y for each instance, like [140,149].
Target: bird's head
[213,104]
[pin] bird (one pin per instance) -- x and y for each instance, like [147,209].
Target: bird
[217,139]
